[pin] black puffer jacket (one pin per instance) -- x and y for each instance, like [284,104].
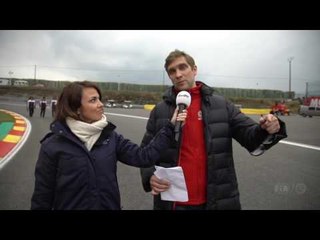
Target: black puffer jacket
[223,121]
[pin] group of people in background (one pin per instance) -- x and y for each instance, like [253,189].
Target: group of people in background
[43,103]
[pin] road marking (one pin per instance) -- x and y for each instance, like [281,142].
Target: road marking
[300,145]
[17,128]
[128,116]
[282,141]
[11,138]
[15,139]
[20,122]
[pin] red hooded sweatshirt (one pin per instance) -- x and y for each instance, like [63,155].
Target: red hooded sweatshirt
[193,158]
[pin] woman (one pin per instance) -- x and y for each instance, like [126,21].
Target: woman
[77,163]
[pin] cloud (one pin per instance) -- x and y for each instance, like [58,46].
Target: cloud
[236,58]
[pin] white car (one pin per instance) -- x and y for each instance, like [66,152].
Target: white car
[309,111]
[110,104]
[127,104]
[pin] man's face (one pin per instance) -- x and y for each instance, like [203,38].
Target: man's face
[181,74]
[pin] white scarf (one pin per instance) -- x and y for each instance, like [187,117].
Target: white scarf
[87,132]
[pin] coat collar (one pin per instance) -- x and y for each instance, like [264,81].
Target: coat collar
[170,94]
[61,128]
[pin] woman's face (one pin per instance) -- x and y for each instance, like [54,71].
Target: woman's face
[91,109]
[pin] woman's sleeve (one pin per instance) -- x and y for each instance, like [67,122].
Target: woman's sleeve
[146,156]
[45,181]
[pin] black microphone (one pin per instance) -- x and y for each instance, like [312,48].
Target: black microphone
[183,101]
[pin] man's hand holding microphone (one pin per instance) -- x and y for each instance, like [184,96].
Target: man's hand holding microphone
[269,123]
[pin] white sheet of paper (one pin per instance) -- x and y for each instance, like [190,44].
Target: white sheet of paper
[178,189]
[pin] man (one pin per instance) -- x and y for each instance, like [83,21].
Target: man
[30,106]
[43,106]
[205,149]
[53,106]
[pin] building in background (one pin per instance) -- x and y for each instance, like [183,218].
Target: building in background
[5,82]
[21,83]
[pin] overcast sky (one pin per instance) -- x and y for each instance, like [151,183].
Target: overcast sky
[225,58]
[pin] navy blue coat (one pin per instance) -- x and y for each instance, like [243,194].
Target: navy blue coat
[68,176]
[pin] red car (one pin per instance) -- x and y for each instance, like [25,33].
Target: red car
[280,109]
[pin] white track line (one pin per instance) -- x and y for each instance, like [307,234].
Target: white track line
[128,116]
[282,141]
[300,145]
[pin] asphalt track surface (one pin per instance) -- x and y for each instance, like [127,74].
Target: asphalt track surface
[287,177]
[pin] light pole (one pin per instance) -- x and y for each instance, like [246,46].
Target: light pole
[35,72]
[307,89]
[119,83]
[290,60]
[10,73]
